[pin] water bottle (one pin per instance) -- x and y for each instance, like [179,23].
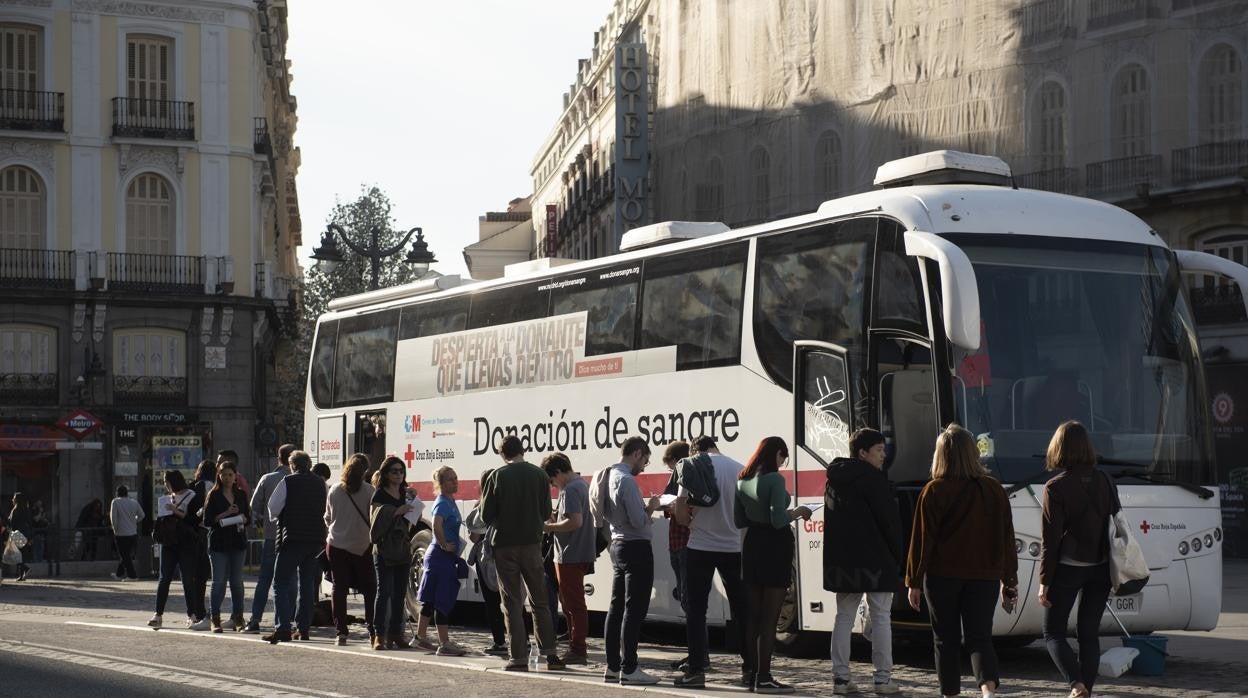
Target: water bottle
[533,656]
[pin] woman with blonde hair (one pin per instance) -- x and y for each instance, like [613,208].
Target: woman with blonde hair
[1074,557]
[439,584]
[961,554]
[348,544]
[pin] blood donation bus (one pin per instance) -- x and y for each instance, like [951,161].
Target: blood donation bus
[946,294]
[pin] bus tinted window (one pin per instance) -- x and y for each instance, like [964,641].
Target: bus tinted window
[322,369]
[898,286]
[364,359]
[504,305]
[694,301]
[436,317]
[811,284]
[610,298]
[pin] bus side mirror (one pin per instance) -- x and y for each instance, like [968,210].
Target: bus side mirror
[958,290]
[1191,261]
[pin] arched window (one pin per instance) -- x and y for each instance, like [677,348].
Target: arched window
[760,174]
[1129,109]
[149,215]
[828,166]
[1051,126]
[23,211]
[1221,95]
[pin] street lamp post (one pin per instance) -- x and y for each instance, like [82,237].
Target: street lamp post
[330,256]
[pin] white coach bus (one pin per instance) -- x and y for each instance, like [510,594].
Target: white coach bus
[944,295]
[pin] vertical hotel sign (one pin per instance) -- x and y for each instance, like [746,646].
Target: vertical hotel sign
[552,229]
[631,139]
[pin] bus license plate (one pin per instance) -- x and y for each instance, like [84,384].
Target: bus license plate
[1127,605]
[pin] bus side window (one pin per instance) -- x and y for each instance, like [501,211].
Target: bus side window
[694,301]
[323,364]
[609,297]
[898,285]
[364,358]
[810,284]
[433,318]
[506,305]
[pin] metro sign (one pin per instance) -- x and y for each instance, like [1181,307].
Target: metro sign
[80,423]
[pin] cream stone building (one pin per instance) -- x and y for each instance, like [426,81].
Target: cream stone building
[149,223]
[503,237]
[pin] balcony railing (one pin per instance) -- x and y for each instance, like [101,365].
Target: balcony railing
[1063,180]
[1103,14]
[155,273]
[1043,21]
[153,118]
[28,110]
[262,142]
[272,286]
[163,391]
[1123,175]
[1209,161]
[28,388]
[37,268]
[1217,304]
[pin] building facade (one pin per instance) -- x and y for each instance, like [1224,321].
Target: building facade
[503,237]
[149,223]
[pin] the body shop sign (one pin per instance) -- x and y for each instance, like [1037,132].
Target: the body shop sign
[331,441]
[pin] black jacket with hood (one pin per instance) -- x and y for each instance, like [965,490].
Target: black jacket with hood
[862,529]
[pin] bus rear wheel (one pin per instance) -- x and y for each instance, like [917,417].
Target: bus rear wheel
[790,638]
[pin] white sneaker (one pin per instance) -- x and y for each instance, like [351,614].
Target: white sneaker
[842,687]
[156,621]
[201,624]
[117,577]
[609,676]
[887,687]
[637,677]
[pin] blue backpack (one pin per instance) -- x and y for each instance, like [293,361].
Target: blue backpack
[697,476]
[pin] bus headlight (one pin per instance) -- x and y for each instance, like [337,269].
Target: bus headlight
[1217,534]
[1183,547]
[1018,546]
[1033,549]
[1208,541]
[1196,545]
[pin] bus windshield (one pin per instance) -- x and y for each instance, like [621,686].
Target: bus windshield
[1090,330]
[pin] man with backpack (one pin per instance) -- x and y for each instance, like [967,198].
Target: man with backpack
[708,487]
[574,533]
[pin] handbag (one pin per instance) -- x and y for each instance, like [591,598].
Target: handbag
[1128,570]
[322,559]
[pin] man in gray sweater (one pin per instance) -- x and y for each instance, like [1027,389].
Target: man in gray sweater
[260,513]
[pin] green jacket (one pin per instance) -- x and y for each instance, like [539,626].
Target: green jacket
[515,500]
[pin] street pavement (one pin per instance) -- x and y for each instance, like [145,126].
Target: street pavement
[76,637]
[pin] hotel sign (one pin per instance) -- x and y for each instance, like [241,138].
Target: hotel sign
[631,140]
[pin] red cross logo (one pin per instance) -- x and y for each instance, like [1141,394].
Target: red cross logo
[409,456]
[1143,524]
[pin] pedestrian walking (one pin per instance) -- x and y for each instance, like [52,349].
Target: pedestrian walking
[260,516]
[482,557]
[761,507]
[88,527]
[516,502]
[179,548]
[390,533]
[205,473]
[125,515]
[439,581]
[298,507]
[714,546]
[322,471]
[348,545]
[22,519]
[862,556]
[961,557]
[575,550]
[1074,553]
[227,513]
[632,563]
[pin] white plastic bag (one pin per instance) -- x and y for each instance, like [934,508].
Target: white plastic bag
[1116,661]
[12,554]
[1126,559]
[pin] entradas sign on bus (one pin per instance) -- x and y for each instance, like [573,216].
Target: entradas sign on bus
[547,351]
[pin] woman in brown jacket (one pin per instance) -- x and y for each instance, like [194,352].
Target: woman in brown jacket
[961,552]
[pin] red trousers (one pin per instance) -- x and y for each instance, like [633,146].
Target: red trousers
[572,597]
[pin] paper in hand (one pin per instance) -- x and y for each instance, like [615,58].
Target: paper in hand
[231,521]
[666,500]
[418,508]
[164,506]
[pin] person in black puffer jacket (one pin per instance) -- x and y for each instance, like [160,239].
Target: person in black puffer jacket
[862,555]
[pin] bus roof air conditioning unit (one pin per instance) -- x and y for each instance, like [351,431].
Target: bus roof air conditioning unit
[534,266]
[668,231]
[944,167]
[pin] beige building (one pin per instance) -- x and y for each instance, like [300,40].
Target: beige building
[503,237]
[148,232]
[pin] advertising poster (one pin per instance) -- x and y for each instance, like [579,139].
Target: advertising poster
[1228,390]
[174,453]
[331,441]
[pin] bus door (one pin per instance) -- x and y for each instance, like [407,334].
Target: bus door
[370,437]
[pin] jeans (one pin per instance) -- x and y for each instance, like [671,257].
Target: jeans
[177,558]
[880,606]
[494,614]
[958,607]
[296,574]
[203,574]
[520,568]
[227,566]
[1068,581]
[351,571]
[572,595]
[699,573]
[268,558]
[677,558]
[632,564]
[388,611]
[125,555]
